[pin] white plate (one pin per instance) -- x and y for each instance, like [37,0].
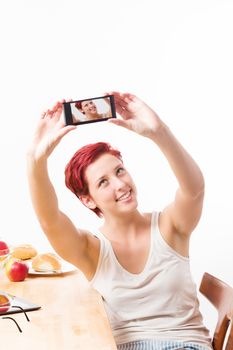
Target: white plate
[66,267]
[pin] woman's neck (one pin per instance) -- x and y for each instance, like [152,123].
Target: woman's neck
[125,228]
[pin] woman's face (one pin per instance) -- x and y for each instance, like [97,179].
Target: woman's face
[89,107]
[111,188]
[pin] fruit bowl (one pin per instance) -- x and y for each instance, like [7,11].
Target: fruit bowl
[4,249]
[4,253]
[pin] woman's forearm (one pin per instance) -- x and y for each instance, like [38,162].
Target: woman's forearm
[186,170]
[44,198]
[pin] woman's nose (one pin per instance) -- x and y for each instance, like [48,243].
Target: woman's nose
[118,183]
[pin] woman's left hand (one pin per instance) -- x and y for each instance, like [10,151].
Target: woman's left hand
[136,115]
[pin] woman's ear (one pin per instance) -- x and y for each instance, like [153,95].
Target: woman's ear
[87,201]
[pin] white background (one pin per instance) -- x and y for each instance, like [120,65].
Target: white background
[175,55]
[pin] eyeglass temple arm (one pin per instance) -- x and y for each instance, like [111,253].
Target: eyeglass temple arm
[11,318]
[19,307]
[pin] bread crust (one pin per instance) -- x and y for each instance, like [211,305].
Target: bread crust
[24,252]
[46,262]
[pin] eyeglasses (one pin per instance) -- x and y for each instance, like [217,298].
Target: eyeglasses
[11,318]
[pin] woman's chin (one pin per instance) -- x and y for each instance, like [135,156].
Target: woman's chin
[128,206]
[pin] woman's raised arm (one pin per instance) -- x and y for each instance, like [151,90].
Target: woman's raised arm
[68,241]
[183,214]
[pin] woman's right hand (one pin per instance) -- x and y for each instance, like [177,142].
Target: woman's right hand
[49,132]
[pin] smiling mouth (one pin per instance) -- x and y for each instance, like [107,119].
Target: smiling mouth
[124,196]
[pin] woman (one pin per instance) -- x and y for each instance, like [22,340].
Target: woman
[139,262]
[89,109]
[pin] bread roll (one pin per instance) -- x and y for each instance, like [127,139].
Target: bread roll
[46,262]
[24,252]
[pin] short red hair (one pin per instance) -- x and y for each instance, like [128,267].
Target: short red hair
[78,104]
[75,178]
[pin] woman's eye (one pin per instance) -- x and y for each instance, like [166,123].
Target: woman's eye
[120,170]
[102,182]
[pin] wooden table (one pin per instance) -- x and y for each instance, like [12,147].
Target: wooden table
[72,316]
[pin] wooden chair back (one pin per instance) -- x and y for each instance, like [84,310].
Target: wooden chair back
[220,295]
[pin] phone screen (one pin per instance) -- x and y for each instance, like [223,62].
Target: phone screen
[89,110]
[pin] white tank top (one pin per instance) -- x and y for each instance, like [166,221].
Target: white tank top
[160,302]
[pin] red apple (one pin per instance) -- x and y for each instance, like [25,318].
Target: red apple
[4,249]
[16,270]
[4,303]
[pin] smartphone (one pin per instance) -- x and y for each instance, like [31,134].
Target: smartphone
[89,110]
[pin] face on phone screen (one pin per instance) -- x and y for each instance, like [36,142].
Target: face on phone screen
[89,110]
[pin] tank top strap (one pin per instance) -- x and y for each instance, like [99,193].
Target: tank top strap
[105,250]
[155,222]
[105,245]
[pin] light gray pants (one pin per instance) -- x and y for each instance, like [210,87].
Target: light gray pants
[151,344]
